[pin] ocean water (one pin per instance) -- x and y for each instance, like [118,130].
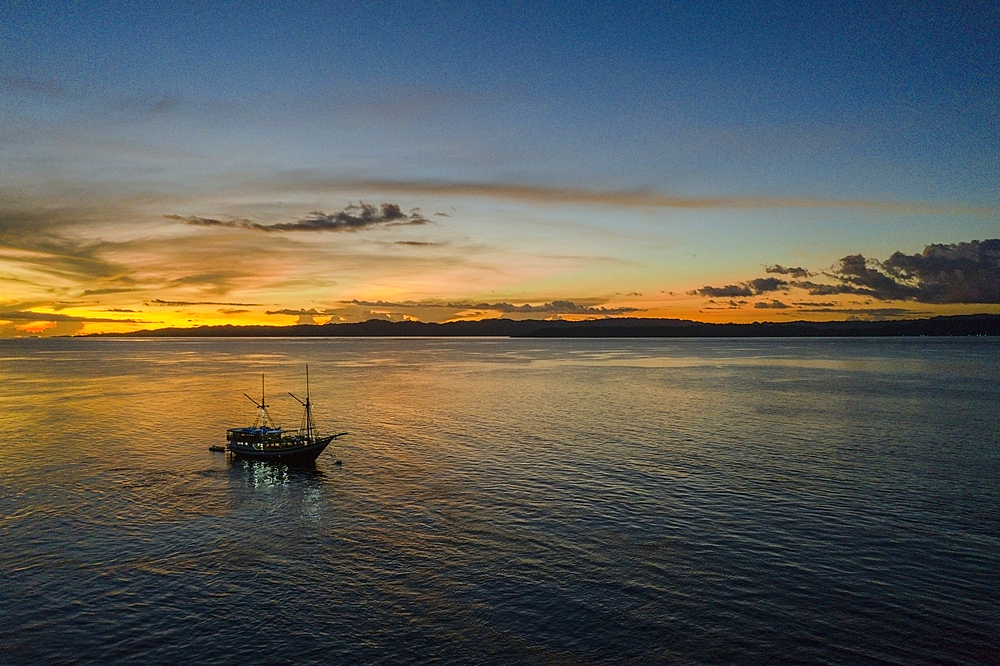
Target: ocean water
[822,501]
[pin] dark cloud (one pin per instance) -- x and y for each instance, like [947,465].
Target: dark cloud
[555,307]
[27,315]
[856,271]
[196,221]
[732,305]
[352,218]
[795,272]
[160,302]
[773,305]
[729,291]
[305,316]
[108,290]
[560,307]
[750,288]
[869,314]
[764,285]
[311,312]
[953,273]
[825,289]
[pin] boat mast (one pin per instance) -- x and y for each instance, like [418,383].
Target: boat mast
[307,420]
[263,418]
[309,416]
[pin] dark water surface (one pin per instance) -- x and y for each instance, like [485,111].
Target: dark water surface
[504,501]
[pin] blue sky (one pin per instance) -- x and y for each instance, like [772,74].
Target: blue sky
[616,156]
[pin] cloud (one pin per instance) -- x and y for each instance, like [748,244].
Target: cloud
[953,273]
[307,181]
[108,290]
[858,272]
[352,218]
[729,291]
[773,305]
[956,273]
[312,312]
[764,285]
[160,302]
[304,316]
[220,281]
[28,315]
[31,86]
[882,314]
[872,313]
[554,307]
[731,305]
[753,287]
[796,272]
[826,289]
[33,239]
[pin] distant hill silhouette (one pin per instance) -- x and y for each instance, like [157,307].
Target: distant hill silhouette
[981,324]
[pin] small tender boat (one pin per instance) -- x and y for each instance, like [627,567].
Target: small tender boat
[266,441]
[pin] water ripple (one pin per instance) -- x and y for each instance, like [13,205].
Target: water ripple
[504,501]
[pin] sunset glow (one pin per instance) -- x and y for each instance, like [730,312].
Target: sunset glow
[174,167]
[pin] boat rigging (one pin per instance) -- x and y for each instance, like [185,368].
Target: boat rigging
[264,440]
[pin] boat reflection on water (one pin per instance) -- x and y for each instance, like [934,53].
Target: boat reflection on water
[285,489]
[260,474]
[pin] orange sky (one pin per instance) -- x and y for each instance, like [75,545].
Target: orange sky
[150,263]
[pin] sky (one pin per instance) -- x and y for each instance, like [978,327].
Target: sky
[196,163]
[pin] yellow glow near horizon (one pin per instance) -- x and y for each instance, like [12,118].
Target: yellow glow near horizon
[128,267]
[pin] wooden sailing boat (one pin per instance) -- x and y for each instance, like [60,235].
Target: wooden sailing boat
[264,440]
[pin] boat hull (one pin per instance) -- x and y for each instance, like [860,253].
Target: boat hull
[297,455]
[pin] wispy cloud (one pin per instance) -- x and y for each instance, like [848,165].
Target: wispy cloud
[17,320]
[35,239]
[215,282]
[107,290]
[29,315]
[774,304]
[305,181]
[553,307]
[163,303]
[33,86]
[351,218]
[871,314]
